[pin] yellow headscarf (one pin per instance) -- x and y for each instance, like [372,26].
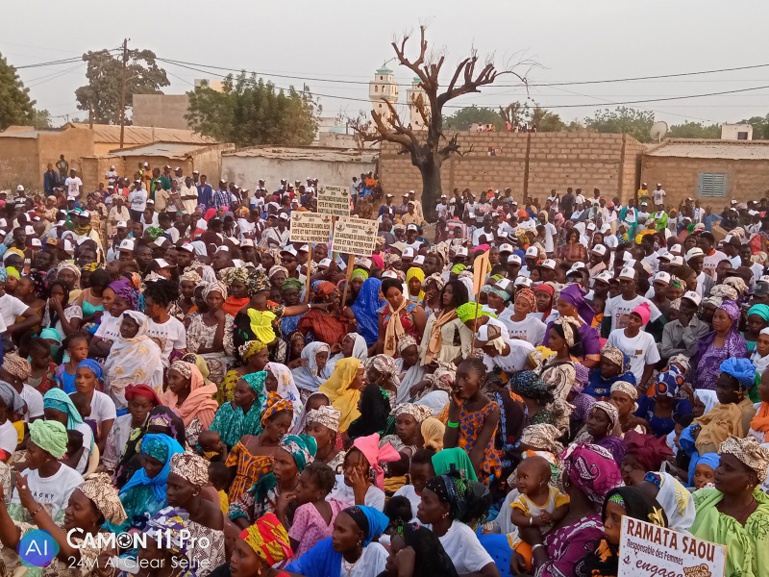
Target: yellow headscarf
[261,325]
[342,397]
[415,272]
[432,432]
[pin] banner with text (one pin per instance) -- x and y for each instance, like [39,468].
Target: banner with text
[646,550]
[310,227]
[334,200]
[355,236]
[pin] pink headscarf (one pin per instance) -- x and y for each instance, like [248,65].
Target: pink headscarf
[644,311]
[378,261]
[375,455]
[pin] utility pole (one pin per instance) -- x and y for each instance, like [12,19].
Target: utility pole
[122,90]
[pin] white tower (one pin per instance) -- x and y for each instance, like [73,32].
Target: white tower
[383,88]
[415,119]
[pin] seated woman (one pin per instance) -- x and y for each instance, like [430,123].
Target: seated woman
[363,313]
[58,406]
[324,323]
[322,423]
[192,397]
[558,371]
[343,390]
[614,366]
[735,513]
[571,303]
[353,544]
[408,434]
[352,345]
[643,453]
[141,400]
[398,317]
[623,395]
[87,378]
[257,549]
[209,334]
[603,428]
[254,356]
[242,415]
[446,338]
[664,405]
[308,369]
[723,343]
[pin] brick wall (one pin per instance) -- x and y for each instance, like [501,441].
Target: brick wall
[746,180]
[556,160]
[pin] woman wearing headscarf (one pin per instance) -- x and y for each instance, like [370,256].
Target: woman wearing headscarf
[290,292]
[757,320]
[58,314]
[235,279]
[620,502]
[242,415]
[308,375]
[415,276]
[735,513]
[589,472]
[623,395]
[398,317]
[133,358]
[429,558]
[192,397]
[353,345]
[352,551]
[206,524]
[286,387]
[558,370]
[365,309]
[541,404]
[259,547]
[410,371]
[141,400]
[723,343]
[572,303]
[209,334]
[254,357]
[145,492]
[664,405]
[603,427]
[95,502]
[11,406]
[87,379]
[324,323]
[46,476]
[446,338]
[544,294]
[293,454]
[58,406]
[343,390]
[432,286]
[614,366]
[643,453]
[119,296]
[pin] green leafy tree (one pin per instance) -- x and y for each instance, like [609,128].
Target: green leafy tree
[15,104]
[694,130]
[464,118]
[546,121]
[41,119]
[623,120]
[102,95]
[250,111]
[760,126]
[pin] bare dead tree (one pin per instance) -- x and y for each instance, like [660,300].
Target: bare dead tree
[429,149]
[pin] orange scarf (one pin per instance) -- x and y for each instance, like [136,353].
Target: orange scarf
[232,305]
[394,330]
[436,340]
[761,421]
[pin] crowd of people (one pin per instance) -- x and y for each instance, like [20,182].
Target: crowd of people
[491,402]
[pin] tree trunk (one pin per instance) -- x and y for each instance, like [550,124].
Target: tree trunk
[431,187]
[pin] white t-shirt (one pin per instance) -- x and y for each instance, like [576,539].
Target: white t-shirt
[8,437]
[11,308]
[375,497]
[659,196]
[550,232]
[464,549]
[530,329]
[515,359]
[108,329]
[73,185]
[138,199]
[711,262]
[371,563]
[641,349]
[52,492]
[617,307]
[34,401]
[102,408]
[410,493]
[170,335]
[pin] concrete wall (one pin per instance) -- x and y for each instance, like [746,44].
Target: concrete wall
[247,171]
[161,110]
[209,162]
[74,144]
[19,163]
[584,160]
[731,131]
[746,179]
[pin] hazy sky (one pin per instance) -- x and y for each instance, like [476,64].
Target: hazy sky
[570,40]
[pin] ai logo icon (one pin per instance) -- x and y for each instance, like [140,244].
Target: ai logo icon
[37,548]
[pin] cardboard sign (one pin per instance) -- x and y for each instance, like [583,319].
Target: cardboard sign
[646,550]
[354,235]
[334,200]
[310,227]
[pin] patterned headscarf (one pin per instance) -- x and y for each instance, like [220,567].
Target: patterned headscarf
[526,295]
[625,387]
[435,279]
[182,367]
[192,276]
[592,469]
[405,342]
[233,274]
[269,539]
[301,447]
[275,404]
[724,291]
[275,270]
[749,452]
[611,412]
[471,311]
[569,326]
[17,367]
[98,488]
[123,289]
[613,354]
[190,467]
[257,282]
[452,490]
[250,348]
[217,286]
[419,412]
[359,273]
[383,364]
[731,308]
[325,415]
[543,437]
[737,284]
[73,268]
[528,384]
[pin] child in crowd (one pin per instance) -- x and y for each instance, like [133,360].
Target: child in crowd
[397,475]
[77,348]
[399,511]
[211,448]
[705,470]
[221,476]
[74,448]
[315,514]
[760,360]
[539,503]
[43,374]
[83,406]
[420,471]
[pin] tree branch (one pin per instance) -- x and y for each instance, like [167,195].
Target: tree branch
[416,65]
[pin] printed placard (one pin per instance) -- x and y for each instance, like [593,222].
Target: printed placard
[310,227]
[646,550]
[355,236]
[334,200]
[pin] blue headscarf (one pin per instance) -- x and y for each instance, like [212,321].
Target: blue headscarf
[712,460]
[91,364]
[155,444]
[372,522]
[60,401]
[366,308]
[741,369]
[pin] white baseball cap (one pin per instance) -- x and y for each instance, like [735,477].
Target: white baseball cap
[532,252]
[162,263]
[126,244]
[599,249]
[160,241]
[504,284]
[29,229]
[326,262]
[692,296]
[419,259]
[576,268]
[461,251]
[514,259]
[35,242]
[677,261]
[549,263]
[628,273]
[662,276]
[247,242]
[506,248]
[363,262]
[412,226]
[591,226]
[694,253]
[604,276]
[288,249]
[188,247]
[523,281]
[408,252]
[20,188]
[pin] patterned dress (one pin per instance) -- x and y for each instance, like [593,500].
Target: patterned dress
[251,468]
[569,545]
[470,426]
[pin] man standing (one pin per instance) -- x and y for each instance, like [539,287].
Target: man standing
[74,184]
[205,192]
[659,197]
[712,256]
[138,201]
[50,180]
[188,195]
[222,196]
[63,167]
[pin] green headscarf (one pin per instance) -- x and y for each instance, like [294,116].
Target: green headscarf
[443,461]
[51,436]
[232,423]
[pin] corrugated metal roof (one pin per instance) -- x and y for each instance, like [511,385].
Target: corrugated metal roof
[165,149]
[712,149]
[310,153]
[137,135]
[23,132]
